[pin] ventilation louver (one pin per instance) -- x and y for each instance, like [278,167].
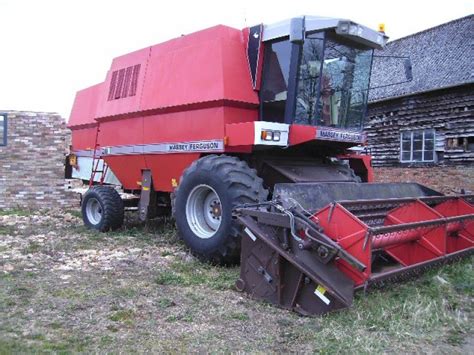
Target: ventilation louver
[124,83]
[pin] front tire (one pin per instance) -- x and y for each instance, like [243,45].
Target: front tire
[208,191]
[102,209]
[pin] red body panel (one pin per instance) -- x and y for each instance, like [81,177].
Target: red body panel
[166,169]
[240,134]
[174,101]
[128,169]
[129,103]
[173,80]
[84,109]
[454,208]
[83,138]
[300,134]
[192,90]
[184,126]
[408,243]
[431,244]
[126,131]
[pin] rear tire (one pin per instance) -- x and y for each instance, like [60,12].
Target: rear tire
[102,209]
[202,206]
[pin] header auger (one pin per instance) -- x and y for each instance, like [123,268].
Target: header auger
[245,136]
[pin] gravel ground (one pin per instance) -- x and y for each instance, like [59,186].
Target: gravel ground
[64,288]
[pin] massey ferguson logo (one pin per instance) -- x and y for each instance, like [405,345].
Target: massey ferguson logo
[195,146]
[331,134]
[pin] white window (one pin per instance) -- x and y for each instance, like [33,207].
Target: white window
[417,146]
[3,130]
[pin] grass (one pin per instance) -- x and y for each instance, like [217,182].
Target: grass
[76,213]
[15,212]
[416,312]
[123,316]
[126,292]
[165,302]
[242,316]
[407,316]
[33,247]
[40,344]
[195,273]
[7,230]
[162,300]
[434,308]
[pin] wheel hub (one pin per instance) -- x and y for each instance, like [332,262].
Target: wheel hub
[203,211]
[94,211]
[215,209]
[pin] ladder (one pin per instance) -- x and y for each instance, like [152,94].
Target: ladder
[96,158]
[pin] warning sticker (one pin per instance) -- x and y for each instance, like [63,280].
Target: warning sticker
[320,292]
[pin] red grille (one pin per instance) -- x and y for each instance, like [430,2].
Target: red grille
[136,71]
[113,83]
[124,82]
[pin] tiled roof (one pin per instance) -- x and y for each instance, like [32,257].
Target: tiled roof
[441,56]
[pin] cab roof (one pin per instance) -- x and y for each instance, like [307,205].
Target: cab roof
[343,27]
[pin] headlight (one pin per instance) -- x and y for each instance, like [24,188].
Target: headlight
[355,30]
[268,135]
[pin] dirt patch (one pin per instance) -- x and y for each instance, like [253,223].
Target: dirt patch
[64,288]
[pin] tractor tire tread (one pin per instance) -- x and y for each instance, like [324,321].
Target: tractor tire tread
[113,207]
[244,186]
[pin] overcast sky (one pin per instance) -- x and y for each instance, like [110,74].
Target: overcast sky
[49,49]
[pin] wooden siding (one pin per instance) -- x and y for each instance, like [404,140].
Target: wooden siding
[450,112]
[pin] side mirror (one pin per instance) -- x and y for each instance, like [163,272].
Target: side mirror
[408,69]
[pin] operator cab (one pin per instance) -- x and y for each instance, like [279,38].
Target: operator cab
[316,72]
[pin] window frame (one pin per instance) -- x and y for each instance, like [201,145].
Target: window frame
[3,137]
[423,150]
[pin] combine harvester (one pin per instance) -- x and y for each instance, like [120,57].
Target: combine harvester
[245,136]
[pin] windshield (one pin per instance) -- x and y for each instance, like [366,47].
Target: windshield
[333,81]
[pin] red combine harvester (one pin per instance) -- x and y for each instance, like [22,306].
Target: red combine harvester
[245,136]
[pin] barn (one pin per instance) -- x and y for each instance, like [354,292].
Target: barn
[422,129]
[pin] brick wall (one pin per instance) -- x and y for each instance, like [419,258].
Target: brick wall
[32,162]
[445,179]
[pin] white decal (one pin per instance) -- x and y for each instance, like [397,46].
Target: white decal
[331,134]
[159,148]
[250,234]
[321,295]
[193,147]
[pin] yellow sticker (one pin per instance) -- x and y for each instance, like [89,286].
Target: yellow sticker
[72,160]
[174,183]
[321,289]
[145,188]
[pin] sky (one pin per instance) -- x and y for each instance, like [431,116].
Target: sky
[49,49]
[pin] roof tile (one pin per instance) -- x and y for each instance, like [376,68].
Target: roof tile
[441,56]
